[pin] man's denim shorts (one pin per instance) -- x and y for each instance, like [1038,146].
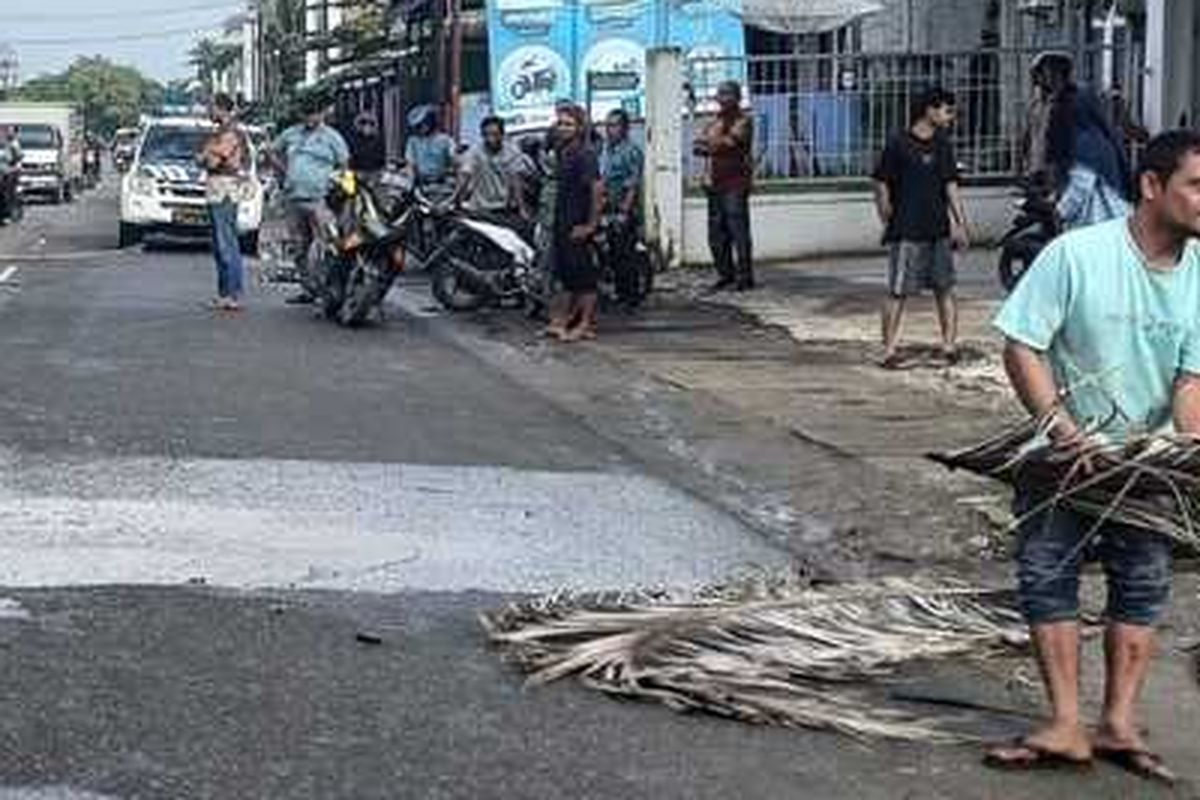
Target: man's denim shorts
[1051,553]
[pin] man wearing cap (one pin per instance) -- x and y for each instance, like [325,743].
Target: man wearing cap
[429,153]
[727,142]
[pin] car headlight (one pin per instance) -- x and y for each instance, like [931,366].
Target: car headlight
[143,184]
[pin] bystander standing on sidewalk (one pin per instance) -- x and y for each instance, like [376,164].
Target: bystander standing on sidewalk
[622,167]
[224,157]
[919,203]
[579,199]
[1110,312]
[728,143]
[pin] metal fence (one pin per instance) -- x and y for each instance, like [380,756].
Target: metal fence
[829,116]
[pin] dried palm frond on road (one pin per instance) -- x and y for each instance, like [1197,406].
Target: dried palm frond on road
[804,657]
[1149,481]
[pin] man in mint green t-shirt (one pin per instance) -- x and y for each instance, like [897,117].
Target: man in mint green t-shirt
[1111,312]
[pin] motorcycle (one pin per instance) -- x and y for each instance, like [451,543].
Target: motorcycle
[361,246]
[1035,225]
[480,262]
[626,269]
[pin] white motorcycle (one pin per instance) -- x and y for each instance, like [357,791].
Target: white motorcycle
[480,263]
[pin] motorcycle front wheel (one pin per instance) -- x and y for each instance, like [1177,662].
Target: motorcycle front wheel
[1012,265]
[359,297]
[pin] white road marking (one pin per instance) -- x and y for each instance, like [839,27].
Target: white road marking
[71,255]
[11,609]
[49,793]
[7,274]
[366,527]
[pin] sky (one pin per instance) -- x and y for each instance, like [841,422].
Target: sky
[49,34]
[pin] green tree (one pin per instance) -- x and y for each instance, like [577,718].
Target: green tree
[111,96]
[210,59]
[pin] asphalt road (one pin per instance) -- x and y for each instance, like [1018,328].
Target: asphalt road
[199,513]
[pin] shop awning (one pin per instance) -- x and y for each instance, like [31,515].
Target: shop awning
[802,16]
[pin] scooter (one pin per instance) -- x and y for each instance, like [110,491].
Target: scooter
[1035,225]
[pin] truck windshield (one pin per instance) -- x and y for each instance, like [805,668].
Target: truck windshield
[167,143]
[37,137]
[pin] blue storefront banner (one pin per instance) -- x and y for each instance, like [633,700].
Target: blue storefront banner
[543,51]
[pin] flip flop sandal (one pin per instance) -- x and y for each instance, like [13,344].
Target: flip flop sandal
[1033,758]
[892,362]
[1140,762]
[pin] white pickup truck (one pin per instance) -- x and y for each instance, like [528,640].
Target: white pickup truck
[163,191]
[52,141]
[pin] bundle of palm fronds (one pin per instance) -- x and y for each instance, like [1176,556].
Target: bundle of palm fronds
[1149,481]
[801,657]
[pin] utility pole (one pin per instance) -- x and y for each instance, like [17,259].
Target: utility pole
[441,56]
[454,118]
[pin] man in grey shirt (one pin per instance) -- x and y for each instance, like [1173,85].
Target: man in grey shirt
[493,175]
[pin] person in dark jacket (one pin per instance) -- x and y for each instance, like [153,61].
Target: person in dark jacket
[1074,152]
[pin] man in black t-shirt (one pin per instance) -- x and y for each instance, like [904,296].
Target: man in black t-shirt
[918,200]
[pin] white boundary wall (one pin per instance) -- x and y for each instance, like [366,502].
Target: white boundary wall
[810,223]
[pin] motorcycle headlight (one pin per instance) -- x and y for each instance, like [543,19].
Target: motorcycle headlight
[248,191]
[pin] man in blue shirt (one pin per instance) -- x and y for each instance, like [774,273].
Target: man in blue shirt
[622,166]
[1112,313]
[429,153]
[308,154]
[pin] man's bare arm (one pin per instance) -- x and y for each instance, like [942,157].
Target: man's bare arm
[958,209]
[1186,405]
[1033,381]
[883,202]
[958,215]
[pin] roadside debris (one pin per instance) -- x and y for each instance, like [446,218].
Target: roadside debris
[1150,482]
[368,637]
[803,658]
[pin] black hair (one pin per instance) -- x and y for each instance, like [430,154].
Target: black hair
[1165,153]
[313,104]
[731,88]
[489,121]
[933,97]
[222,102]
[620,116]
[1056,65]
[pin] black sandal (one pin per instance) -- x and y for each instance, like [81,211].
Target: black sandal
[1035,757]
[1138,761]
